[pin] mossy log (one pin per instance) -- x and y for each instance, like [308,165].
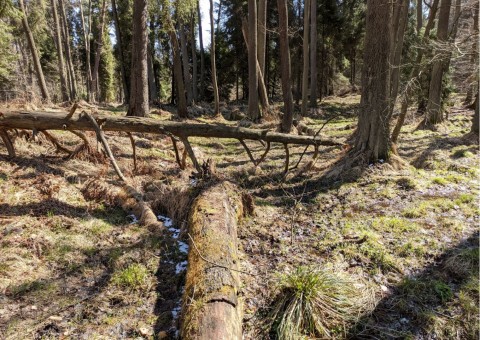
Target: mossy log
[212,308]
[40,121]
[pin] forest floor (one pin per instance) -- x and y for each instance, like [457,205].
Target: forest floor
[73,264]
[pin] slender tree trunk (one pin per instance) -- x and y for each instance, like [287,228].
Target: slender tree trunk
[434,106]
[262,34]
[410,88]
[86,38]
[285,66]
[98,53]
[253,110]
[473,58]
[419,16]
[152,86]
[194,59]
[475,120]
[313,54]
[138,104]
[68,53]
[306,35]
[202,53]
[58,43]
[35,56]
[177,69]
[186,66]
[120,51]
[212,58]
[373,135]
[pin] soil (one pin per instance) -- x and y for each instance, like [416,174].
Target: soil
[78,266]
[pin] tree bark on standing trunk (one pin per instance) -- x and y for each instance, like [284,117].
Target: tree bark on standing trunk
[313,54]
[194,58]
[306,36]
[419,16]
[285,66]
[35,56]
[186,66]
[434,106]
[373,132]
[177,72]
[216,110]
[68,53]
[98,52]
[262,34]
[58,43]
[202,53]
[120,52]
[253,110]
[138,104]
[86,38]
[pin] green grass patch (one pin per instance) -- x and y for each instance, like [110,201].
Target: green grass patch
[134,277]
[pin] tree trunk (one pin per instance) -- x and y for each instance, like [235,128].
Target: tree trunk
[414,74]
[475,120]
[98,52]
[434,106]
[419,16]
[313,54]
[194,59]
[58,43]
[138,104]
[68,53]
[262,34]
[473,59]
[121,58]
[86,37]
[253,110]
[202,53]
[152,86]
[306,35]
[373,135]
[177,71]
[33,50]
[186,66]
[285,66]
[212,58]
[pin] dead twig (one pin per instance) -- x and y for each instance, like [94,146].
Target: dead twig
[72,111]
[248,152]
[180,163]
[56,143]
[8,143]
[287,158]
[189,149]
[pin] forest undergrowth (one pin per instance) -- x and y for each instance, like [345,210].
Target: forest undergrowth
[75,265]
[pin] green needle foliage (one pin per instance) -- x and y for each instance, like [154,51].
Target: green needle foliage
[314,303]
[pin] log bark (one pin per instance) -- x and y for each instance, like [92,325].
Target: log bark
[57,121]
[212,308]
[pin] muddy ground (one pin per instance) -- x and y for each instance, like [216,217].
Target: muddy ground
[73,264]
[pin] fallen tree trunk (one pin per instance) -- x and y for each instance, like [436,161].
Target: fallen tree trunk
[57,121]
[211,307]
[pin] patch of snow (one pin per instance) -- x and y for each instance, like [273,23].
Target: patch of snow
[167,222]
[183,247]
[180,267]
[176,310]
[193,182]
[133,218]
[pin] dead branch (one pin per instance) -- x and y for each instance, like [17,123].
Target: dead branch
[189,149]
[287,158]
[56,143]
[72,111]
[103,140]
[248,152]
[8,143]
[177,156]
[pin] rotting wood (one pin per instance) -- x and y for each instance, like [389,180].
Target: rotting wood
[56,121]
[212,308]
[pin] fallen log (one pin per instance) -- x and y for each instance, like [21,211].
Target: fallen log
[62,121]
[211,306]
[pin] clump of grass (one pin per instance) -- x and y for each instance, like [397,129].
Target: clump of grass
[406,183]
[461,152]
[394,224]
[465,198]
[314,303]
[133,277]
[440,181]
[463,263]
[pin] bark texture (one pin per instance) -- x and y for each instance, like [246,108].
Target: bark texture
[306,61]
[253,110]
[138,104]
[313,54]
[58,43]
[373,133]
[212,307]
[214,67]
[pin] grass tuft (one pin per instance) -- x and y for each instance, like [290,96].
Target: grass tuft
[463,263]
[313,303]
[133,277]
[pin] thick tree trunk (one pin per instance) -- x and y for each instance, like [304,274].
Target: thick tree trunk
[373,133]
[262,34]
[473,58]
[138,104]
[475,120]
[434,106]
[35,56]
[313,54]
[121,58]
[98,53]
[215,288]
[306,62]
[419,15]
[202,53]
[58,43]
[186,66]
[68,53]
[194,59]
[177,71]
[152,86]
[212,58]
[285,66]
[42,120]
[253,110]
